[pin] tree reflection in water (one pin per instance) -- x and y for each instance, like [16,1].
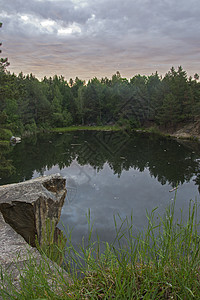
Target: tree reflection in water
[167,160]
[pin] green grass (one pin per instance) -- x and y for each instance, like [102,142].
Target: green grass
[98,128]
[189,138]
[153,131]
[162,262]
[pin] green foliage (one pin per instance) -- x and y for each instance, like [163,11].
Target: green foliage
[97,128]
[167,101]
[53,243]
[154,130]
[54,102]
[31,127]
[124,123]
[162,262]
[169,115]
[3,118]
[6,166]
[68,120]
[5,134]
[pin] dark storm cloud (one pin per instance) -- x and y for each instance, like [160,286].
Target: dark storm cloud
[96,38]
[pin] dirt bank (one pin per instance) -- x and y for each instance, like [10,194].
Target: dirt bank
[188,131]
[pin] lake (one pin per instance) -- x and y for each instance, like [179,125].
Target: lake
[111,173]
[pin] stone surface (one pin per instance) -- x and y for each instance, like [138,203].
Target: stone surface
[26,206]
[16,256]
[191,130]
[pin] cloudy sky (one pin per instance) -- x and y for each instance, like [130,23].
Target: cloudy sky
[88,38]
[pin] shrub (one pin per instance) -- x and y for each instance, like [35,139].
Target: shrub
[5,134]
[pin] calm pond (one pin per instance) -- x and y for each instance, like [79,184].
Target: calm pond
[111,173]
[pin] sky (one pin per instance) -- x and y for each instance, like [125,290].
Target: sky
[96,38]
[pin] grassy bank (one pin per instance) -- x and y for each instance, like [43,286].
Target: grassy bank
[97,128]
[156,131]
[162,262]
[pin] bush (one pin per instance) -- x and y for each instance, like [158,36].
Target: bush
[16,127]
[123,123]
[5,134]
[31,127]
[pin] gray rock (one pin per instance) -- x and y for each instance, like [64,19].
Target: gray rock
[26,206]
[16,257]
[24,209]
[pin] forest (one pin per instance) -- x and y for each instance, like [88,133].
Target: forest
[28,104]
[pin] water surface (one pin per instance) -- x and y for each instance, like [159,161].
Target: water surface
[111,173]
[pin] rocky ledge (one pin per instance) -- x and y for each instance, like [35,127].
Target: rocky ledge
[188,131]
[26,206]
[24,209]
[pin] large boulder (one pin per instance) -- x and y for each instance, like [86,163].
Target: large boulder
[24,209]
[27,205]
[16,257]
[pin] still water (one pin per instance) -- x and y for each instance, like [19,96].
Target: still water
[111,173]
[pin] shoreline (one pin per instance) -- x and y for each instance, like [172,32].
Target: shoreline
[182,133]
[187,132]
[89,128]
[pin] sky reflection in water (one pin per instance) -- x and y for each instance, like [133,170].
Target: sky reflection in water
[111,174]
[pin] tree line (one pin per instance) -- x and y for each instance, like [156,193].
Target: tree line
[28,104]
